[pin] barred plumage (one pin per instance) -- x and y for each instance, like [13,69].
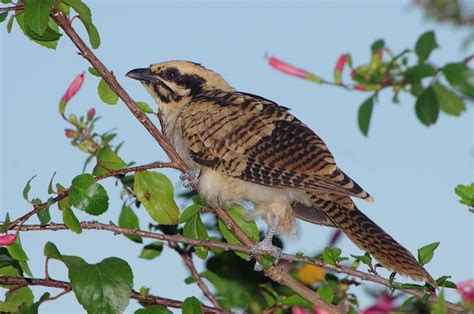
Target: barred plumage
[250,148]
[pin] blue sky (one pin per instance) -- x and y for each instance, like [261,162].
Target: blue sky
[410,170]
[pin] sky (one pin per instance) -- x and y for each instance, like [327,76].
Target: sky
[411,170]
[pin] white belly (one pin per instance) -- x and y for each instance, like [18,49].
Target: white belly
[221,190]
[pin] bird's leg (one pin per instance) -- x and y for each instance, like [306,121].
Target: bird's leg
[266,243]
[190,179]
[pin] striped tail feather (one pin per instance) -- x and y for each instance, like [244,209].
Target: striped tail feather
[368,236]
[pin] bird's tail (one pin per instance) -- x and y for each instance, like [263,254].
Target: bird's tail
[368,236]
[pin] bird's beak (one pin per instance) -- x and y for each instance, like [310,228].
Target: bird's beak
[144,75]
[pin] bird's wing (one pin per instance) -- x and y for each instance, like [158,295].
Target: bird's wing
[254,139]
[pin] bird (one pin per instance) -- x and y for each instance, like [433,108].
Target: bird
[244,147]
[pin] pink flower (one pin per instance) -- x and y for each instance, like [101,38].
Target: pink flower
[383,305]
[73,88]
[7,239]
[69,133]
[286,68]
[298,310]
[90,114]
[341,62]
[466,290]
[359,88]
[318,310]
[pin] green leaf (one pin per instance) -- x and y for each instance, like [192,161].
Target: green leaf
[427,107]
[128,219]
[37,14]
[377,45]
[49,35]
[88,195]
[366,259]
[144,107]
[153,309]
[425,44]
[419,72]
[364,115]
[189,212]
[5,224]
[3,16]
[70,220]
[10,24]
[43,215]
[152,250]
[444,282]
[156,193]
[16,298]
[16,251]
[331,255]
[192,305]
[295,299]
[93,71]
[33,308]
[195,229]
[106,94]
[50,186]
[449,102]
[239,214]
[104,287]
[461,77]
[326,292]
[440,307]
[27,188]
[86,17]
[213,278]
[51,250]
[107,160]
[466,193]
[425,254]
[51,44]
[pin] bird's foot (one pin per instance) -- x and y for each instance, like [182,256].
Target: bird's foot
[190,179]
[267,246]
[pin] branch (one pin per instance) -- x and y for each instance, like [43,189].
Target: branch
[236,248]
[65,193]
[18,7]
[188,260]
[276,274]
[66,286]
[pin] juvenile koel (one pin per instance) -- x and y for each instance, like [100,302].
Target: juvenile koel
[245,147]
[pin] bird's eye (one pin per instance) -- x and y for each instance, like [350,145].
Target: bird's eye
[171,73]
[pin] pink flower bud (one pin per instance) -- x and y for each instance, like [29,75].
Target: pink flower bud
[298,310]
[359,88]
[341,62]
[318,310]
[90,114]
[7,239]
[70,133]
[286,68]
[73,88]
[383,305]
[466,290]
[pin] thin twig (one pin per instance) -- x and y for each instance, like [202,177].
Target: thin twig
[188,260]
[66,286]
[276,274]
[235,248]
[155,165]
[18,7]
[65,193]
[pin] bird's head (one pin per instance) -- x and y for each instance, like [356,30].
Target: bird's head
[174,81]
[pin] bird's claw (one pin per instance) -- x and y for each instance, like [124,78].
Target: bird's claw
[190,179]
[274,251]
